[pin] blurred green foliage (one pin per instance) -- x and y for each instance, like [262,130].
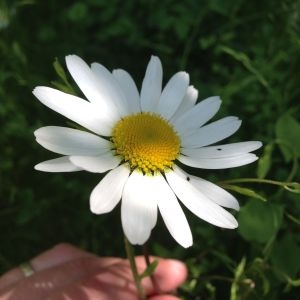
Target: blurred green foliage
[246,51]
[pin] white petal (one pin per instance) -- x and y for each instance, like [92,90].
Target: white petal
[198,203]
[129,89]
[172,213]
[76,109]
[151,87]
[61,164]
[222,150]
[107,194]
[197,115]
[110,88]
[173,94]
[211,133]
[187,102]
[96,90]
[215,193]
[69,141]
[96,164]
[210,190]
[138,208]
[218,163]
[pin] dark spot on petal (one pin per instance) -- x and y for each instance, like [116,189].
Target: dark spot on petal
[219,149]
[188,178]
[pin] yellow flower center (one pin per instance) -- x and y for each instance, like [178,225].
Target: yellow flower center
[146,141]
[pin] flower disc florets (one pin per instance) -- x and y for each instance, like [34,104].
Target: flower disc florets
[146,141]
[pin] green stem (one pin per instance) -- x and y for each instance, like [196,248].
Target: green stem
[148,263]
[290,186]
[257,180]
[292,218]
[136,277]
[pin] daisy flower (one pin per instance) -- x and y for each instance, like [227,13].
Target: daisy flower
[137,139]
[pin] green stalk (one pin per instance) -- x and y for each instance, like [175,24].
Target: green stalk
[290,186]
[130,255]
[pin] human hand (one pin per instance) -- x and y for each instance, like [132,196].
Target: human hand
[68,273]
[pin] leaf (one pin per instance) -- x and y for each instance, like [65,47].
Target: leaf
[240,268]
[62,87]
[246,62]
[78,12]
[260,221]
[287,132]
[60,70]
[225,8]
[265,161]
[288,264]
[149,270]
[244,191]
[65,86]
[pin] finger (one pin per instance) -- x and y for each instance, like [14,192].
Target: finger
[168,275]
[113,282]
[57,255]
[116,282]
[90,275]
[52,257]
[51,280]
[164,297]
